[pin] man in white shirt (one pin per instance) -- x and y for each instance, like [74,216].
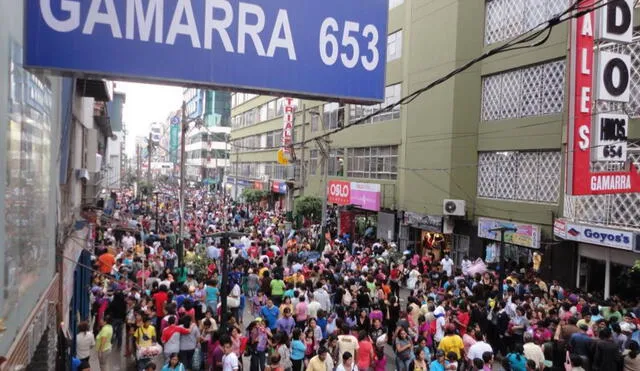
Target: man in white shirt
[128,241]
[347,343]
[321,296]
[213,252]
[313,307]
[533,351]
[479,348]
[230,359]
[447,265]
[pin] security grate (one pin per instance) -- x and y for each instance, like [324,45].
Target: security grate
[529,91]
[519,176]
[505,19]
[622,210]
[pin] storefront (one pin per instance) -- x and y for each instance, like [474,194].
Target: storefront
[423,234]
[278,194]
[604,256]
[236,186]
[521,242]
[359,206]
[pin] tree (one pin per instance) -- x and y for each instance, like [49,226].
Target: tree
[309,207]
[253,196]
[145,189]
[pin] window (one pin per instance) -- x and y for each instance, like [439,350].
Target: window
[394,46]
[271,110]
[392,94]
[315,123]
[262,116]
[395,3]
[332,114]
[373,162]
[520,176]
[506,19]
[313,162]
[528,91]
[336,162]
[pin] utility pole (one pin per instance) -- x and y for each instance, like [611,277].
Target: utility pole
[138,170]
[235,178]
[149,161]
[183,133]
[303,170]
[325,150]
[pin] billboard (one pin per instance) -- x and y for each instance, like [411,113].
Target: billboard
[602,137]
[305,48]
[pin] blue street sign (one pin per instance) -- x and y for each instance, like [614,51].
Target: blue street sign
[175,120]
[332,49]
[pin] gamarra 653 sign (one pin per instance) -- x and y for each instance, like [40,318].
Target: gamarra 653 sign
[305,48]
[612,73]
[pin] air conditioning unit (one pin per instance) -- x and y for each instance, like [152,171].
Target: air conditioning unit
[454,207]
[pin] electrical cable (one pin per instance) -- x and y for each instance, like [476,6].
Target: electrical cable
[514,44]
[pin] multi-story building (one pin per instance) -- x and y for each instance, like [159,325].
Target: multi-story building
[491,138]
[116,144]
[206,144]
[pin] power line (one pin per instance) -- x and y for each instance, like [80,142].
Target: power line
[517,43]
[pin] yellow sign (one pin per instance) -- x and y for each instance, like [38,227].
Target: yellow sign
[282,160]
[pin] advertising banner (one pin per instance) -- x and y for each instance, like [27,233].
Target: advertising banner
[329,49]
[339,192]
[174,139]
[527,235]
[365,196]
[287,125]
[606,78]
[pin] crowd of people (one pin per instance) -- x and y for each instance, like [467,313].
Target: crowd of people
[354,305]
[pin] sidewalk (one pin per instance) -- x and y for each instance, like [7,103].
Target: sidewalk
[118,360]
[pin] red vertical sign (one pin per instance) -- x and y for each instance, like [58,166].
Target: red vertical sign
[580,179]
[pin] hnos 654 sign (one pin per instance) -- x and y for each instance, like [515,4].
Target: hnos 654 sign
[305,48]
[612,71]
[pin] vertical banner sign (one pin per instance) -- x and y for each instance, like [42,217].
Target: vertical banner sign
[615,22]
[287,126]
[174,134]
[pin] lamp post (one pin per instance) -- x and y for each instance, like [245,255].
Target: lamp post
[185,125]
[224,286]
[501,267]
[157,227]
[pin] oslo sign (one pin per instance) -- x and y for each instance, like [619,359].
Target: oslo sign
[306,48]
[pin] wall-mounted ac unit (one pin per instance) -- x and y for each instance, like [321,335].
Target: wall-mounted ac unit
[454,207]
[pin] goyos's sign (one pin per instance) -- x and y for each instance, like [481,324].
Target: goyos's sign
[330,49]
[600,236]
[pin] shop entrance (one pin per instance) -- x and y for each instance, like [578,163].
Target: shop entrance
[592,275]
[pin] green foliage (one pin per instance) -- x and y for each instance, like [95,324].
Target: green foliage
[145,189]
[197,263]
[309,207]
[253,196]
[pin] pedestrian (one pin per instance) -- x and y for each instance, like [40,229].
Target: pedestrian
[85,342]
[103,343]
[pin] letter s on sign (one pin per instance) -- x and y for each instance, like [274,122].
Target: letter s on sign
[73,22]
[583,131]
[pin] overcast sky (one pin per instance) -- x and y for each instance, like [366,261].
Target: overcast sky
[146,104]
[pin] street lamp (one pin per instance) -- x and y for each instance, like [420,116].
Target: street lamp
[157,227]
[501,267]
[185,125]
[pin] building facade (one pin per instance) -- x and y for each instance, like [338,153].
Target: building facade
[491,139]
[206,149]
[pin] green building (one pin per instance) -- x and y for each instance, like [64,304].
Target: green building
[492,139]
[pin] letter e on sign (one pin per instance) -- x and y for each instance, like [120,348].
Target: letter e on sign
[613,77]
[615,21]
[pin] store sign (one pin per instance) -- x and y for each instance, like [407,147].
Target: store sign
[366,196]
[258,185]
[600,236]
[339,192]
[611,84]
[328,49]
[279,187]
[527,235]
[610,139]
[560,228]
[287,125]
[432,223]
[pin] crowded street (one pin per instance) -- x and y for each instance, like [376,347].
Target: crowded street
[352,303]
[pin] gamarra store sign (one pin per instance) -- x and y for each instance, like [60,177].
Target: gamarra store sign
[611,74]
